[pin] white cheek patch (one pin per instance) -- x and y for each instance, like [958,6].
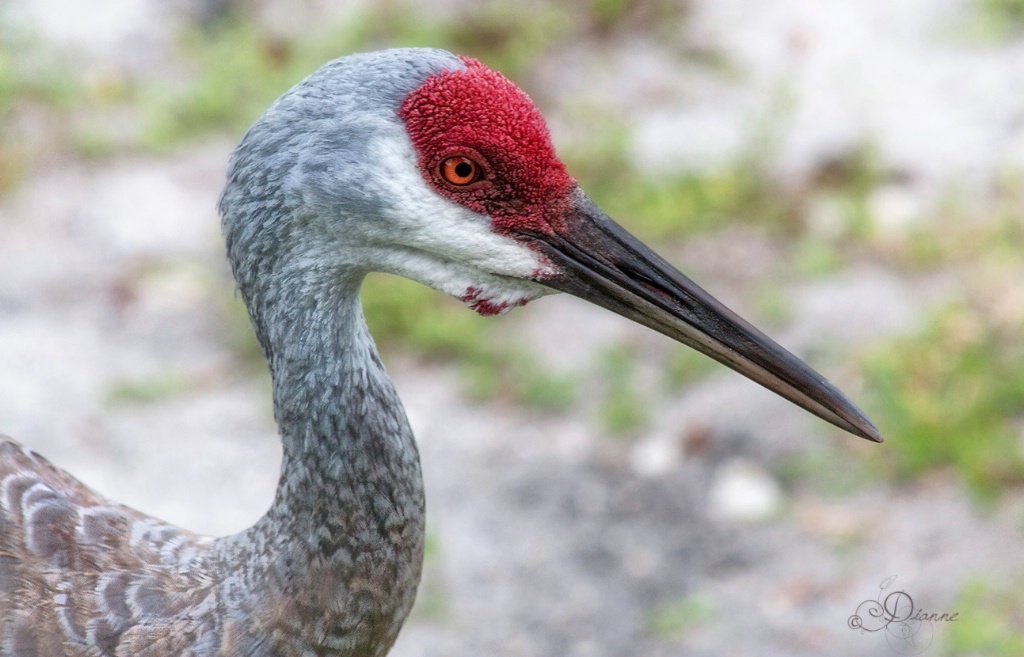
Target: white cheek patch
[486,293]
[428,238]
[420,218]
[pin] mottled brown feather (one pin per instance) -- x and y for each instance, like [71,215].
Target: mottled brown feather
[75,582]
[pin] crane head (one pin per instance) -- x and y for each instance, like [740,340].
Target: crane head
[434,167]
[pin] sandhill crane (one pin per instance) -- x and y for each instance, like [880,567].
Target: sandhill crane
[414,162]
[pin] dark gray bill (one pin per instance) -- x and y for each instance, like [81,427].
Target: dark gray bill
[600,262]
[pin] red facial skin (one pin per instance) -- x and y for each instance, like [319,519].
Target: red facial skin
[479,114]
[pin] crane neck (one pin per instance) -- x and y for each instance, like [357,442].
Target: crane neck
[337,558]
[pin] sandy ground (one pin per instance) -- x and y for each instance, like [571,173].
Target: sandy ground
[551,540]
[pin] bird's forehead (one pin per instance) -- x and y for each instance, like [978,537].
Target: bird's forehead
[478,108]
[474,104]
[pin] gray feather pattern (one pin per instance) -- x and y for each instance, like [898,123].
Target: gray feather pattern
[332,567]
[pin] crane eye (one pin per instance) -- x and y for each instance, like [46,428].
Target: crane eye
[460,171]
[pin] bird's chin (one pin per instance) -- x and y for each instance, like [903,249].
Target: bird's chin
[489,300]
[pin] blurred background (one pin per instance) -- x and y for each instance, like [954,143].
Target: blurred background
[848,174]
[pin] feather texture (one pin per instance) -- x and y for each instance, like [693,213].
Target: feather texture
[79,573]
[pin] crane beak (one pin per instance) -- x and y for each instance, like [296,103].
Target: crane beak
[597,260]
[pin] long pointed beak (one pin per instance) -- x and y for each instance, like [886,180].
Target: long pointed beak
[599,261]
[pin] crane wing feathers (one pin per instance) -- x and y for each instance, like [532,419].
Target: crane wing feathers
[78,573]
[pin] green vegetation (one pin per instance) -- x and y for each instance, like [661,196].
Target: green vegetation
[952,396]
[603,17]
[624,409]
[237,72]
[233,69]
[432,600]
[514,372]
[846,181]
[834,470]
[990,620]
[239,68]
[29,77]
[998,19]
[28,74]
[685,366]
[147,390]
[966,232]
[817,258]
[673,206]
[773,304]
[662,206]
[673,620]
[402,313]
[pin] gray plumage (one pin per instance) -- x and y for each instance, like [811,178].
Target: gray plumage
[333,566]
[412,162]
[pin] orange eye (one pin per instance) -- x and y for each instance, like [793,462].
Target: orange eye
[460,171]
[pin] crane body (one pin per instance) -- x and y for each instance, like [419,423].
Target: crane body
[413,162]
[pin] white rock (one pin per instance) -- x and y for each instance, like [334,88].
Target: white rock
[654,456]
[895,208]
[741,491]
